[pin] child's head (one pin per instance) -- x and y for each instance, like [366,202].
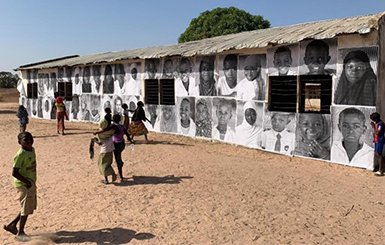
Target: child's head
[140,104]
[356,63]
[185,109]
[152,110]
[375,117]
[134,71]
[279,121]
[224,112]
[108,74]
[116,118]
[202,111]
[167,112]
[96,74]
[124,106]
[86,75]
[250,113]
[151,69]
[230,65]
[282,60]
[107,110]
[185,69]
[312,126]
[316,57]
[168,68]
[118,104]
[103,124]
[252,67]
[119,73]
[351,123]
[25,139]
[206,69]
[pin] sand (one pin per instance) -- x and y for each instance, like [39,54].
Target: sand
[181,190]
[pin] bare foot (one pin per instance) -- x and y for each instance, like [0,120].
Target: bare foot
[10,228]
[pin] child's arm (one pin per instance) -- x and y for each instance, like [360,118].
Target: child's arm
[101,131]
[128,135]
[17,175]
[374,128]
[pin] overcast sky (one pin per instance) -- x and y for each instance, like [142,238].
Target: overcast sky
[39,30]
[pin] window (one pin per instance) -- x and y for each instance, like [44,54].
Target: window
[151,94]
[32,90]
[316,93]
[65,90]
[167,92]
[283,93]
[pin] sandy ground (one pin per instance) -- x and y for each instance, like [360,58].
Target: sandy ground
[187,191]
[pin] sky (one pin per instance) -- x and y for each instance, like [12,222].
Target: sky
[39,30]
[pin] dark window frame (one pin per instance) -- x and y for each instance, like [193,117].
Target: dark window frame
[283,93]
[326,82]
[151,91]
[167,91]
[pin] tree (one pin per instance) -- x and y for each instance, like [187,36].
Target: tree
[222,21]
[8,80]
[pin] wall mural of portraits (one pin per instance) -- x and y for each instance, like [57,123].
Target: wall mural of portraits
[134,79]
[186,116]
[33,108]
[75,108]
[108,79]
[117,105]
[151,69]
[40,84]
[168,123]
[86,79]
[357,76]
[153,114]
[352,136]
[77,80]
[318,57]
[250,116]
[131,102]
[85,109]
[228,75]
[185,82]
[107,102]
[168,67]
[224,117]
[96,80]
[39,107]
[28,106]
[68,105]
[119,79]
[53,83]
[283,60]
[206,77]
[278,132]
[203,117]
[313,135]
[47,107]
[252,76]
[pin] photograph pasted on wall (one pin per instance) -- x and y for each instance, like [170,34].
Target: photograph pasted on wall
[283,60]
[185,80]
[186,116]
[153,114]
[134,79]
[224,119]
[206,77]
[352,136]
[152,69]
[203,117]
[168,67]
[252,77]
[250,117]
[357,76]
[168,121]
[228,75]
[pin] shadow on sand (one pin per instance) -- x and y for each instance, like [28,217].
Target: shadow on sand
[7,112]
[102,236]
[158,142]
[152,180]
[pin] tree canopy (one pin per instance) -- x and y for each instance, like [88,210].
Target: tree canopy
[8,80]
[222,21]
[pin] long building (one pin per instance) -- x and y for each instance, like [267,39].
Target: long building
[302,90]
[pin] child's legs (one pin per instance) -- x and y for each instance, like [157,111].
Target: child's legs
[23,128]
[378,147]
[119,147]
[28,201]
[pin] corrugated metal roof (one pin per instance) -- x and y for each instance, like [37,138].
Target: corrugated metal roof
[244,40]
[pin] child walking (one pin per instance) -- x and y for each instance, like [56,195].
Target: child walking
[126,119]
[119,143]
[22,114]
[24,173]
[106,150]
[137,126]
[379,140]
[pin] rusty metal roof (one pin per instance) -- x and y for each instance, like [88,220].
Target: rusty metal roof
[244,40]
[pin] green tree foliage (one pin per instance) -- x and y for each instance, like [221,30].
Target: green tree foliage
[222,21]
[8,80]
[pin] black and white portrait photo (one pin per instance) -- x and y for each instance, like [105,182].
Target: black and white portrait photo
[313,135]
[47,106]
[252,75]
[352,136]
[283,60]
[119,79]
[168,68]
[250,116]
[40,107]
[131,101]
[53,81]
[68,74]
[117,105]
[77,80]
[186,116]
[224,117]
[108,82]
[168,122]
[33,108]
[153,114]
[96,79]
[278,132]
[357,76]
[75,109]
[85,111]
[185,84]
[228,75]
[86,85]
[318,57]
[28,106]
[134,81]
[95,107]
[203,117]
[107,102]
[206,76]
[151,69]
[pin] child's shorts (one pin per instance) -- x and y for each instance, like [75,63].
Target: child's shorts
[28,200]
[378,148]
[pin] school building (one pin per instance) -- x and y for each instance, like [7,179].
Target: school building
[302,90]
